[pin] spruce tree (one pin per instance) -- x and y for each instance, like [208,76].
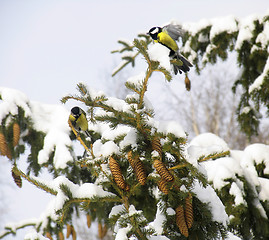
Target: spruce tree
[136,176]
[207,42]
[133,172]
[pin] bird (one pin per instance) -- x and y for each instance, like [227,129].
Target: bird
[78,119]
[167,36]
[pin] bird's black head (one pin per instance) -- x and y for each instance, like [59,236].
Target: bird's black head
[75,111]
[153,32]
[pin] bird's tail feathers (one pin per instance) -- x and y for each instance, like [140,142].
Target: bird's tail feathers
[184,67]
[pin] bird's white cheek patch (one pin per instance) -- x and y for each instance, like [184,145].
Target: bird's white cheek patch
[154,31]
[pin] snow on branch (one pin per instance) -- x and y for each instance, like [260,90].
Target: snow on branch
[51,120]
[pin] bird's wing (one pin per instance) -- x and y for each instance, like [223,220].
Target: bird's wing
[174,30]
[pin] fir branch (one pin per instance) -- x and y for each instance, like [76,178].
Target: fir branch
[202,159]
[145,37]
[178,166]
[133,188]
[129,48]
[12,230]
[82,89]
[120,118]
[141,125]
[69,202]
[130,60]
[137,231]
[166,73]
[34,181]
[66,190]
[144,88]
[74,97]
[91,147]
[100,103]
[213,156]
[133,87]
[126,47]
[152,66]
[142,47]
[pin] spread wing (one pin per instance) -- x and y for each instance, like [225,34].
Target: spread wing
[174,30]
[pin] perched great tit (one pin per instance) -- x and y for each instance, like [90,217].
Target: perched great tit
[167,36]
[79,120]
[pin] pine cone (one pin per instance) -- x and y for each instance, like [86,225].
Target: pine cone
[130,159]
[180,221]
[162,170]
[16,134]
[100,230]
[162,185]
[138,168]
[3,145]
[187,83]
[156,145]
[48,235]
[74,234]
[189,211]
[89,220]
[140,172]
[4,150]
[61,236]
[17,179]
[104,231]
[68,230]
[117,175]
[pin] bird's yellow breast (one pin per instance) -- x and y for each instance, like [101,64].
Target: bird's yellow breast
[72,118]
[166,40]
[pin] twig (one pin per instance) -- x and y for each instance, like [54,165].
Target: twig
[9,230]
[34,181]
[84,200]
[217,155]
[78,136]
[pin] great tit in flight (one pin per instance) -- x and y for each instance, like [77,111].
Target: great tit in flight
[167,36]
[79,120]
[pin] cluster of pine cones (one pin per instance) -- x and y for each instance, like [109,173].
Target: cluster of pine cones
[5,151]
[184,214]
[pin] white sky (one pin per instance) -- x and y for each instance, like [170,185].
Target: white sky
[47,47]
